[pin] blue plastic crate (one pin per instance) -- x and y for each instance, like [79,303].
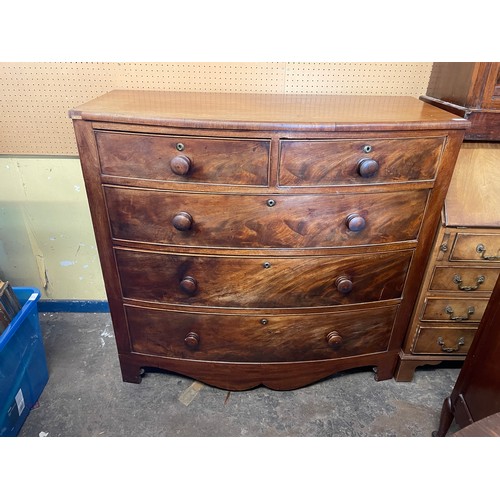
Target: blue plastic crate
[23,366]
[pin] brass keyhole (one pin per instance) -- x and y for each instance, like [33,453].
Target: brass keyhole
[179,146]
[367,148]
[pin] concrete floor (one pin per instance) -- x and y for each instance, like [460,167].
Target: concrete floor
[85,396]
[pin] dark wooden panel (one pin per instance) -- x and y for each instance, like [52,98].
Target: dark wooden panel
[274,221]
[225,337]
[209,160]
[262,282]
[312,163]
[451,82]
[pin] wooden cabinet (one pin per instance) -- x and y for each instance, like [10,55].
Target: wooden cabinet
[464,264]
[471,90]
[263,239]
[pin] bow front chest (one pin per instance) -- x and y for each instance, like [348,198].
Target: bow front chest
[251,239]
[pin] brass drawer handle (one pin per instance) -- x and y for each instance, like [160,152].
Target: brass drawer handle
[460,343]
[482,250]
[470,312]
[458,280]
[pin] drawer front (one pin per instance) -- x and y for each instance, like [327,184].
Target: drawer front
[476,247]
[255,221]
[454,310]
[464,279]
[184,159]
[252,338]
[442,340]
[250,282]
[335,162]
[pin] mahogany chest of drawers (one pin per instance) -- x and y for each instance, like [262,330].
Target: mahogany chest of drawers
[263,239]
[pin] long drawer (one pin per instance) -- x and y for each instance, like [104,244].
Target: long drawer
[463,279]
[257,221]
[476,247]
[360,161]
[443,340]
[254,338]
[454,310]
[265,282]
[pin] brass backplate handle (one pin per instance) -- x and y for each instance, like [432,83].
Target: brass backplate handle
[481,249]
[458,280]
[460,343]
[470,312]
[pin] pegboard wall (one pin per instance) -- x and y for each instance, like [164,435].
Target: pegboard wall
[35,97]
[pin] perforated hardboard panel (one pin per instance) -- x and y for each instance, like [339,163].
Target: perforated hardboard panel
[35,97]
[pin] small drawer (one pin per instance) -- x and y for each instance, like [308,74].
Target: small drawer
[256,221]
[360,161]
[454,310]
[476,247]
[463,279]
[263,282]
[257,338]
[442,340]
[184,159]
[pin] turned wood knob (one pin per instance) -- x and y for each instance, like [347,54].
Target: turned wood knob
[343,284]
[355,222]
[192,339]
[334,340]
[180,165]
[189,285]
[182,221]
[368,167]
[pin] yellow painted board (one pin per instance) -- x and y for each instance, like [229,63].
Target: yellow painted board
[46,234]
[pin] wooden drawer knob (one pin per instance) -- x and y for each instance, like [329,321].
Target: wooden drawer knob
[355,222]
[180,165]
[192,339]
[343,284]
[189,285]
[334,340]
[182,221]
[368,167]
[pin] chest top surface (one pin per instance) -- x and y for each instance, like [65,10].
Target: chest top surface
[266,111]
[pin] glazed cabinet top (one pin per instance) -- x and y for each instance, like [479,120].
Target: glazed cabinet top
[292,112]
